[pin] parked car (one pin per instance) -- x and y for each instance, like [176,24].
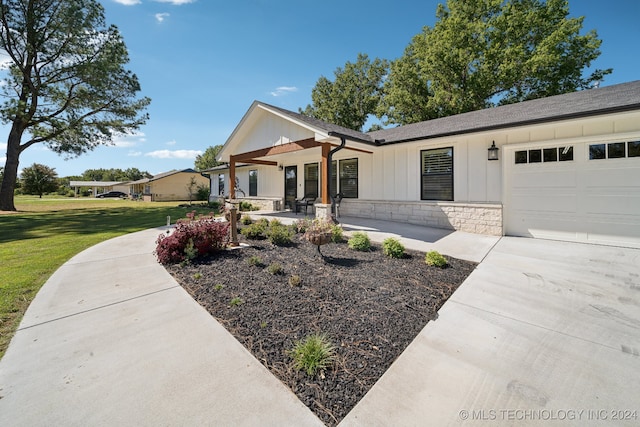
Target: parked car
[114,194]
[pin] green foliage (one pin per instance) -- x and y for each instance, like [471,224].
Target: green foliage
[352,96]
[279,235]
[295,280]
[275,269]
[434,258]
[246,220]
[202,192]
[254,231]
[197,276]
[302,225]
[393,248]
[190,251]
[255,260]
[245,206]
[218,287]
[66,85]
[39,179]
[236,301]
[207,160]
[130,174]
[486,53]
[312,354]
[359,241]
[337,235]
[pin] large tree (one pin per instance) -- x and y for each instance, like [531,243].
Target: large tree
[39,179]
[352,96]
[489,52]
[208,159]
[66,85]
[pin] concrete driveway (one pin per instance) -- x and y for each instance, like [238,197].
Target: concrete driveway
[540,333]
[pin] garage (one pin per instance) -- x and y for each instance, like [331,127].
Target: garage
[580,191]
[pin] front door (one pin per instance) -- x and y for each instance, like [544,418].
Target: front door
[290,186]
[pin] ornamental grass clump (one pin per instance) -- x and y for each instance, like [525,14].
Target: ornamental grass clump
[393,248]
[359,241]
[279,235]
[434,258]
[313,354]
[191,239]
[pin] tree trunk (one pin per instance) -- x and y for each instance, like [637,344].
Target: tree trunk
[10,170]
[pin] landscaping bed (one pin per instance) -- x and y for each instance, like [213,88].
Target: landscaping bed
[369,305]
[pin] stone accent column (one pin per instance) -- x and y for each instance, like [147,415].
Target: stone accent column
[323,211]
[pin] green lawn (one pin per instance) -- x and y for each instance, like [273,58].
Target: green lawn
[47,232]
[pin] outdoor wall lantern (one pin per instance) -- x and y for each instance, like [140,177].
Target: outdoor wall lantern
[280,167]
[493,151]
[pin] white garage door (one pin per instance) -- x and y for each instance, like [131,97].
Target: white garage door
[583,192]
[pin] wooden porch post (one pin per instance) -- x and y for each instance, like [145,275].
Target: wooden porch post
[325,187]
[232,177]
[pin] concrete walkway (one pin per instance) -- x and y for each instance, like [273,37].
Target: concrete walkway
[538,328]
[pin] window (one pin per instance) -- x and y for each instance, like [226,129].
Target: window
[334,178]
[253,182]
[349,178]
[544,155]
[221,184]
[550,155]
[311,180]
[566,153]
[614,150]
[437,174]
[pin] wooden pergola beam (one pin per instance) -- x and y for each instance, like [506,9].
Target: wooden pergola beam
[278,149]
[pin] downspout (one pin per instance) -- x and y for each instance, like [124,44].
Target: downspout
[343,143]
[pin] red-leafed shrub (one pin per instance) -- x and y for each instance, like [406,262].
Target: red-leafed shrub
[191,239]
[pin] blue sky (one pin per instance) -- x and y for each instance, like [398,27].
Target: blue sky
[203,62]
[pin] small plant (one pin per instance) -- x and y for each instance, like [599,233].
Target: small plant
[218,287]
[336,234]
[302,225]
[263,324]
[190,252]
[279,235]
[235,301]
[254,231]
[255,261]
[359,241]
[246,220]
[295,280]
[312,354]
[245,206]
[392,247]
[275,268]
[197,276]
[435,259]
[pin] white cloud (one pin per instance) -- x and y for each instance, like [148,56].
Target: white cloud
[134,153]
[284,90]
[170,143]
[176,2]
[128,2]
[130,140]
[160,17]
[175,154]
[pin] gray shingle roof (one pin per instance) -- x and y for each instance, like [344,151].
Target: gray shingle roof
[584,103]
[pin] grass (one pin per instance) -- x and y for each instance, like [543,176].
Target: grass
[314,353]
[44,233]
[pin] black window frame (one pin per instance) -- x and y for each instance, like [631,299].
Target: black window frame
[448,194]
[253,183]
[311,185]
[346,184]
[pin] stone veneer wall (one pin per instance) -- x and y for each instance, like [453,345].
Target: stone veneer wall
[264,203]
[480,218]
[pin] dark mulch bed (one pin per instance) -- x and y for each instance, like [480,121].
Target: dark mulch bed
[370,305]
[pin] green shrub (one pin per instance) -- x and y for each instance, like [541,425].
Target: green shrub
[246,206]
[312,354]
[275,268]
[359,241]
[235,301]
[255,261]
[336,234]
[435,259]
[392,247]
[246,220]
[254,231]
[279,235]
[275,222]
[295,280]
[218,287]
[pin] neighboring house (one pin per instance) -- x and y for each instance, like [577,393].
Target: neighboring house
[568,167]
[104,186]
[168,186]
